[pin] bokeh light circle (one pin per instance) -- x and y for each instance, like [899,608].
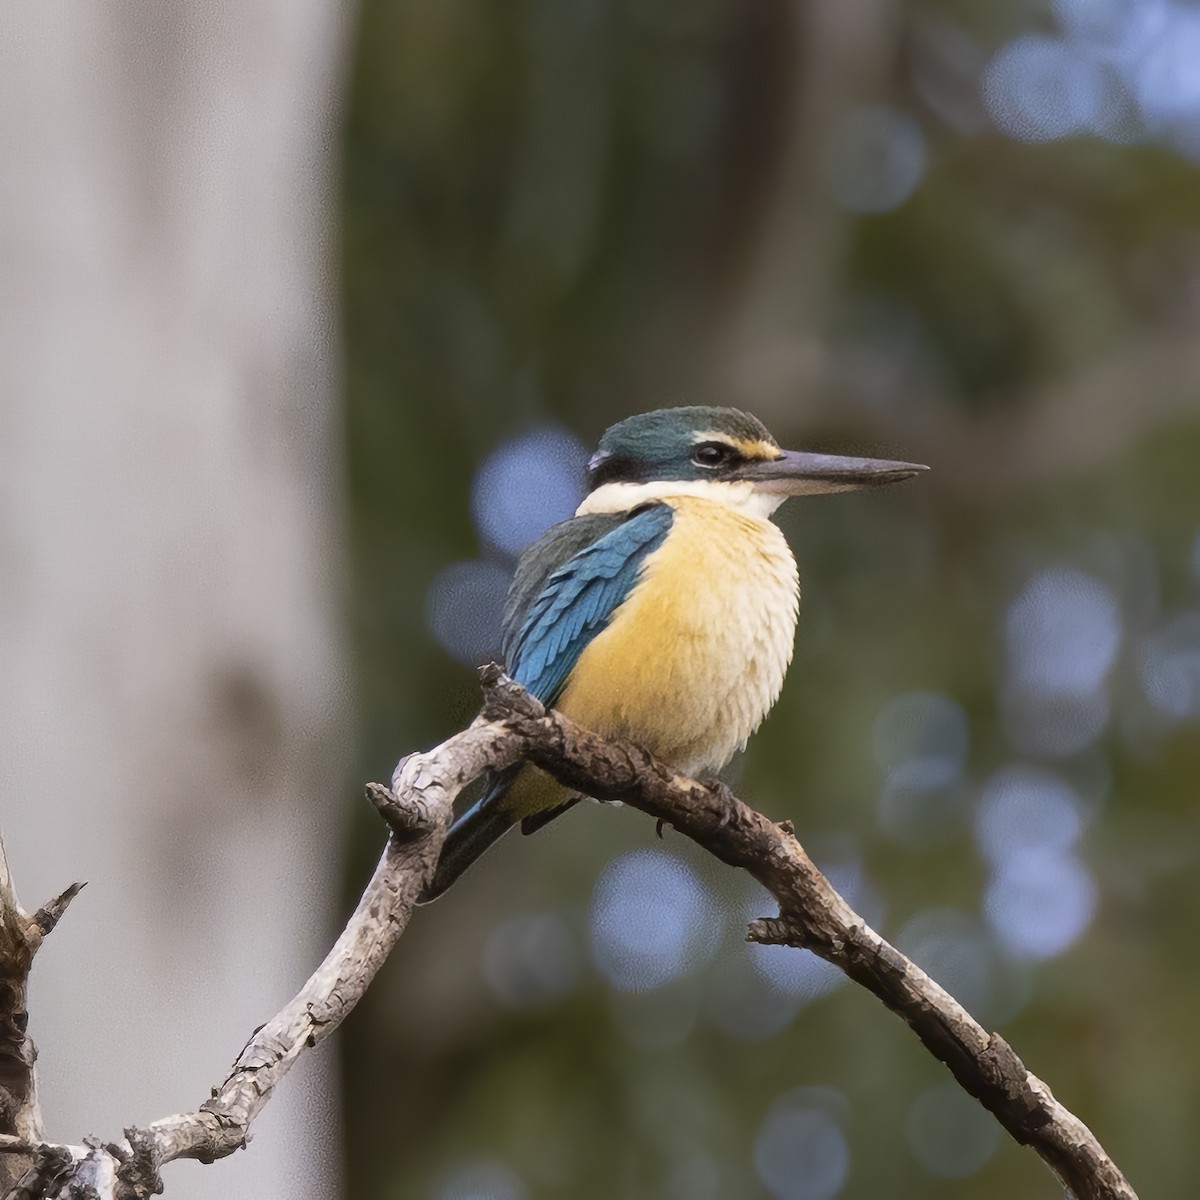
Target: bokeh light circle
[1023,809]
[876,160]
[652,919]
[1038,88]
[949,1133]
[526,485]
[464,608]
[1040,902]
[801,1153]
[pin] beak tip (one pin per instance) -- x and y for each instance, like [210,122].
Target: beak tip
[896,472]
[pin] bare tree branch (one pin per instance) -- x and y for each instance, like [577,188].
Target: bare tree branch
[514,727]
[20,937]
[813,915]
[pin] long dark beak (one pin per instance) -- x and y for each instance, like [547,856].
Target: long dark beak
[796,473]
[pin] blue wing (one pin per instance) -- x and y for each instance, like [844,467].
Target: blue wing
[567,587]
[578,599]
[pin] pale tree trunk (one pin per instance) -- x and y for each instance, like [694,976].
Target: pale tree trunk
[171,708]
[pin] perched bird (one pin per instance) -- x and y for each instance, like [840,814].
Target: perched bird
[664,610]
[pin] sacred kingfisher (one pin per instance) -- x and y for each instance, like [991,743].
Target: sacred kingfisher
[664,610]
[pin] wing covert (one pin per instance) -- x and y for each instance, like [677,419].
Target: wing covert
[564,593]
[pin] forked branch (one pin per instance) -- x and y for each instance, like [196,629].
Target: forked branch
[21,936]
[513,727]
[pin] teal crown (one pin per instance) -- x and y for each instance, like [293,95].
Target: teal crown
[694,442]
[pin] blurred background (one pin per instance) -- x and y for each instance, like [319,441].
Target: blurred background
[312,318]
[962,233]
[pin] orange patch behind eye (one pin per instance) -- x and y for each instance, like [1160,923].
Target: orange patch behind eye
[754,448]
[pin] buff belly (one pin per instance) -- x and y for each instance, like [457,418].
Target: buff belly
[695,657]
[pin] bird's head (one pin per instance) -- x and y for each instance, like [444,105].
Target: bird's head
[721,453]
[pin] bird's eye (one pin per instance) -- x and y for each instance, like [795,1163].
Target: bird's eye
[712,454]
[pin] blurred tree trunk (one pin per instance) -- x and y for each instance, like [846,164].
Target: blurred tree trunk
[171,719]
[771,351]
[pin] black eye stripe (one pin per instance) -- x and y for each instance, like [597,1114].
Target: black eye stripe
[619,468]
[712,457]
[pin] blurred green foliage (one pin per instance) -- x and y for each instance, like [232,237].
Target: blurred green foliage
[565,212]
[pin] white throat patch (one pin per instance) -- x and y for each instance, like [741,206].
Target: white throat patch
[741,496]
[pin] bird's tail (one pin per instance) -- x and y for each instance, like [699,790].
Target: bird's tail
[472,833]
[519,793]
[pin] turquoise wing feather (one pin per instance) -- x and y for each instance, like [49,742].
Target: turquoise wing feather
[567,587]
[550,629]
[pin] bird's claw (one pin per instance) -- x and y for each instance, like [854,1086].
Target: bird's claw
[728,803]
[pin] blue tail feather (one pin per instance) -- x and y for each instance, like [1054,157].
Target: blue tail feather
[472,833]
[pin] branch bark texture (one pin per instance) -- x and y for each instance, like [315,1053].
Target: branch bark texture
[514,727]
[21,936]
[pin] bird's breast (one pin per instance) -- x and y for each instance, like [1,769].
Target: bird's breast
[695,657]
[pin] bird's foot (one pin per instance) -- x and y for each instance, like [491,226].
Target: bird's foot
[727,802]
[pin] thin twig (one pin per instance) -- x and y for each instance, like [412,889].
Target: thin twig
[44,920]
